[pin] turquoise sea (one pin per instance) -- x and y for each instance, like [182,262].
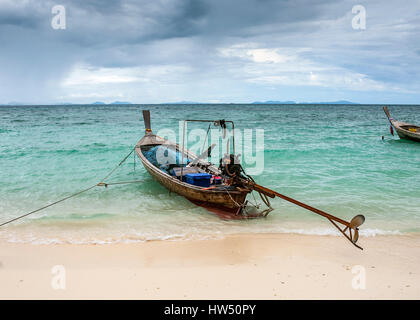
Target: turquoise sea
[329,156]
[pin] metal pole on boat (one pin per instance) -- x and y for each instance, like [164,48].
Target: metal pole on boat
[183,150]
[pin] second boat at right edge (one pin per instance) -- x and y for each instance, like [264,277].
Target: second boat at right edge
[404,130]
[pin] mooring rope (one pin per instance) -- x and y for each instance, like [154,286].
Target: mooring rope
[99,184]
[122,161]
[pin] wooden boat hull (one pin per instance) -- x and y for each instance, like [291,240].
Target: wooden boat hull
[406,134]
[226,202]
[404,130]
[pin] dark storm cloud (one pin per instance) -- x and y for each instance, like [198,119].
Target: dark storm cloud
[13,14]
[115,29]
[92,22]
[187,21]
[102,23]
[191,34]
[18,20]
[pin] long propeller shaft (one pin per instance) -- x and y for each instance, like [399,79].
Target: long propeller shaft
[272,194]
[350,226]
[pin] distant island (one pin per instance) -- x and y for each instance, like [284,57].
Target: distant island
[294,102]
[13,103]
[120,102]
[115,102]
[274,102]
[185,102]
[268,102]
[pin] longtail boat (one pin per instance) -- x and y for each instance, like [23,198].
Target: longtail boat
[226,200]
[404,130]
[225,188]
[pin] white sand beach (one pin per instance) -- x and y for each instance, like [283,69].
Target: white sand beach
[252,266]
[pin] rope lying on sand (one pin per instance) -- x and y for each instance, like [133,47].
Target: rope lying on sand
[99,184]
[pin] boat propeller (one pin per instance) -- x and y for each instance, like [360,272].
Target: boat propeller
[355,236]
[355,223]
[352,226]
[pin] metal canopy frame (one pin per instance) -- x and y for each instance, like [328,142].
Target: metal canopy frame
[216,123]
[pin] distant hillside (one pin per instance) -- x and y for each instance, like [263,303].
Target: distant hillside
[15,103]
[274,102]
[331,102]
[184,102]
[120,102]
[294,102]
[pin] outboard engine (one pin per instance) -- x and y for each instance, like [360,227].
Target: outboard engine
[230,166]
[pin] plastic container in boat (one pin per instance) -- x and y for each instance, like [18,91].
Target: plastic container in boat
[198,179]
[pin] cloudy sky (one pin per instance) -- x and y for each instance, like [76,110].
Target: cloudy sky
[209,51]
